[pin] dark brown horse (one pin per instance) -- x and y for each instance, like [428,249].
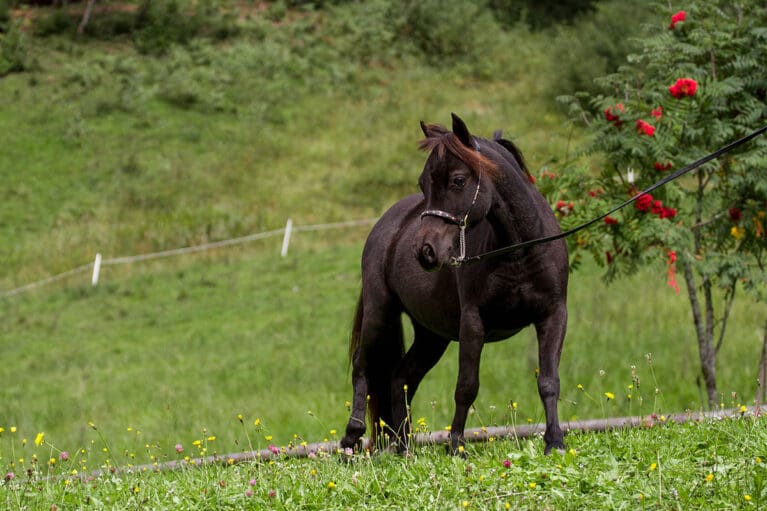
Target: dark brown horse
[476,193]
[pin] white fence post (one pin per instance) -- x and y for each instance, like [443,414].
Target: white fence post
[286,238]
[96,269]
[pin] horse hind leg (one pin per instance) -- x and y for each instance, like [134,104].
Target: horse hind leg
[551,334]
[425,352]
[379,350]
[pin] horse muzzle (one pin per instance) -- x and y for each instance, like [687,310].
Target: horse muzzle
[434,244]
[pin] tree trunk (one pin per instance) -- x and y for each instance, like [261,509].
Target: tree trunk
[86,17]
[704,332]
[761,391]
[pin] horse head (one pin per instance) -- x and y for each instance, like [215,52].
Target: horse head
[457,184]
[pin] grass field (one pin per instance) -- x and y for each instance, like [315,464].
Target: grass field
[106,150]
[715,464]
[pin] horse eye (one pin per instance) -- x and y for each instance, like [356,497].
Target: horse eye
[459,181]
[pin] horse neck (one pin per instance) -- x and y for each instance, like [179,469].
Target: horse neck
[516,210]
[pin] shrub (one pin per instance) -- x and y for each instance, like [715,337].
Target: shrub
[13,50]
[698,83]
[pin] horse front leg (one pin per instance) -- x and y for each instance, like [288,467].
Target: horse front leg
[551,335]
[471,339]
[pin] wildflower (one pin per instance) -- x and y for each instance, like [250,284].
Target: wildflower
[239,417]
[465,503]
[609,395]
[657,113]
[671,272]
[660,167]
[268,438]
[743,409]
[610,220]
[272,494]
[676,18]
[506,463]
[13,429]
[758,459]
[612,114]
[211,439]
[747,498]
[683,87]
[332,432]
[532,486]
[653,466]
[257,422]
[64,456]
[506,505]
[197,443]
[709,477]
[645,128]
[179,448]
[249,493]
[331,485]
[737,232]
[735,214]
[644,202]
[667,212]
[564,208]
[39,439]
[10,476]
[274,449]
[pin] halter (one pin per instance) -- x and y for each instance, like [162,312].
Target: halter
[462,223]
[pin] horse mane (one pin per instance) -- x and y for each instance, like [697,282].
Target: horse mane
[515,152]
[441,139]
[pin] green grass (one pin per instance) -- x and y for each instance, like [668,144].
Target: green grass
[714,464]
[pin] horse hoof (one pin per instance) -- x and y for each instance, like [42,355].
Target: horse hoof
[557,446]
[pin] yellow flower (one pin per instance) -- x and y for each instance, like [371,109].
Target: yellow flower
[268,438]
[580,387]
[39,439]
[747,497]
[532,486]
[211,439]
[514,405]
[332,432]
[506,505]
[743,408]
[13,429]
[758,459]
[382,423]
[465,503]
[2,430]
[737,232]
[709,477]
[653,466]
[197,443]
[609,395]
[257,423]
[239,417]
[331,485]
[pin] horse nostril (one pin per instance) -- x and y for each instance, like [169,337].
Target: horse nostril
[428,255]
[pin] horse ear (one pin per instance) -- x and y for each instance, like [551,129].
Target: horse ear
[424,129]
[461,131]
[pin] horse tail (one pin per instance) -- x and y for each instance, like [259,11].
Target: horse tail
[354,338]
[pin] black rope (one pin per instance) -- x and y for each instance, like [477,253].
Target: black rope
[546,239]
